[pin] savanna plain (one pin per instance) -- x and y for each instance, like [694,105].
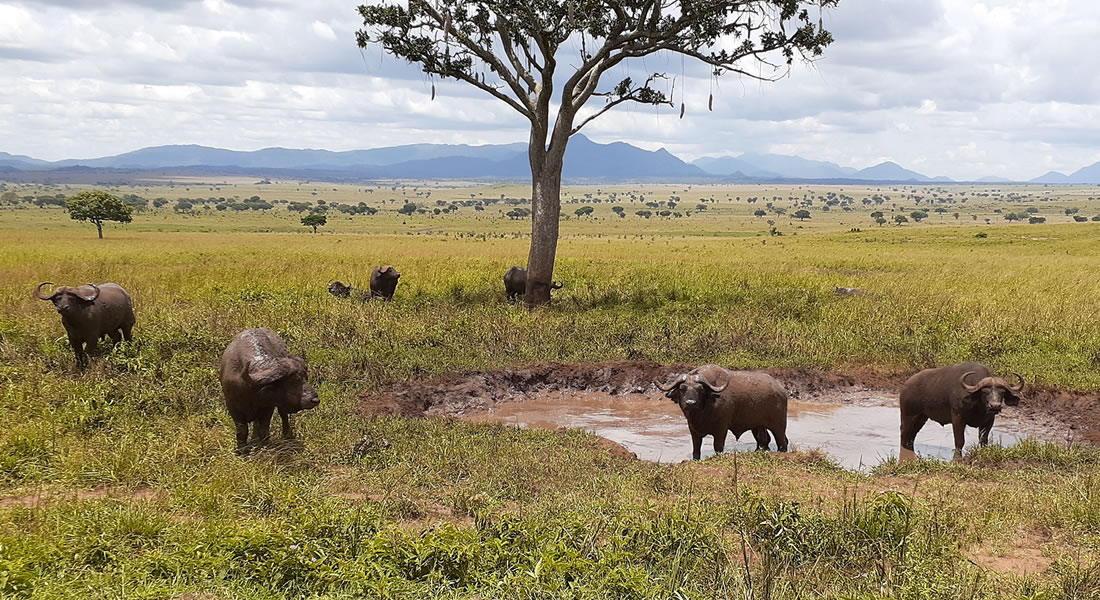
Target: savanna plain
[120,481]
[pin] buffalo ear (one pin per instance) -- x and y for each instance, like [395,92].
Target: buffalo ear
[270,371]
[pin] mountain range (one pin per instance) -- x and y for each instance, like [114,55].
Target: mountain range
[584,160]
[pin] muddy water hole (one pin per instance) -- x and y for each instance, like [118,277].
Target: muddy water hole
[851,417]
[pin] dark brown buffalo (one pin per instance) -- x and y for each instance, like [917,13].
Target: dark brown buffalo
[338,289]
[90,312]
[965,394]
[515,283]
[716,401]
[383,282]
[258,376]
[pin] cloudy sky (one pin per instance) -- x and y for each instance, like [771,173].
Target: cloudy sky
[945,87]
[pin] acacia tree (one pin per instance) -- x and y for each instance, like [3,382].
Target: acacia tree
[510,50]
[314,220]
[98,206]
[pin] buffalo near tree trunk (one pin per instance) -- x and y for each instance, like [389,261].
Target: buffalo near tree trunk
[383,282]
[716,401]
[966,394]
[258,376]
[515,283]
[90,312]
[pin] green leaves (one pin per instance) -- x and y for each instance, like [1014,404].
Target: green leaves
[98,206]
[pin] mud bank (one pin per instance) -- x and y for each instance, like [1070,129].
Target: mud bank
[853,417]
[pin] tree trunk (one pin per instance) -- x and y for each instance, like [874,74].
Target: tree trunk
[545,211]
[99,227]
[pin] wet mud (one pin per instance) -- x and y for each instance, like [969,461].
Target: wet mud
[851,417]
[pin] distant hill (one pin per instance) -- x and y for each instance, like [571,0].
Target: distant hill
[889,171]
[728,165]
[993,179]
[1089,174]
[773,166]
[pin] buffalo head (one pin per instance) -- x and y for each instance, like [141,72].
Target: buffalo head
[67,300]
[283,382]
[690,390]
[339,290]
[994,392]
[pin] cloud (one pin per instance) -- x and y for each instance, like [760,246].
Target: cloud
[958,87]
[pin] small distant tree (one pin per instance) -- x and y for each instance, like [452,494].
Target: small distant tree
[408,209]
[877,214]
[918,215]
[1036,220]
[880,220]
[1096,218]
[314,220]
[760,213]
[899,219]
[98,206]
[802,214]
[619,211]
[956,216]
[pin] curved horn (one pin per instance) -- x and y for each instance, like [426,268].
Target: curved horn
[38,291]
[970,389]
[94,287]
[675,382]
[1020,386]
[714,389]
[556,285]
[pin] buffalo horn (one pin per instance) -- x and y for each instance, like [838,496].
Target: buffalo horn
[94,287]
[714,389]
[556,285]
[1020,386]
[970,389]
[38,291]
[675,382]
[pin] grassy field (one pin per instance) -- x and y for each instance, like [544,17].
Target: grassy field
[120,482]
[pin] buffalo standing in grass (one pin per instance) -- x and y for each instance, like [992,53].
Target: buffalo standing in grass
[716,401]
[90,312]
[383,282]
[515,283]
[258,376]
[965,394]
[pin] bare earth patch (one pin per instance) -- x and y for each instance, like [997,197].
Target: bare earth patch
[1020,555]
[47,496]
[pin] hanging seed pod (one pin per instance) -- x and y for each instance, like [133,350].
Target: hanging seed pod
[433,91]
[571,13]
[682,107]
[710,103]
[447,28]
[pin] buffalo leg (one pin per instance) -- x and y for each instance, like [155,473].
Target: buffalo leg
[261,427]
[763,439]
[719,442]
[782,444]
[78,349]
[127,332]
[910,426]
[958,427]
[288,433]
[116,337]
[696,445]
[983,432]
[242,435]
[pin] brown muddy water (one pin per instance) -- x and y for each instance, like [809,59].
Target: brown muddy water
[857,429]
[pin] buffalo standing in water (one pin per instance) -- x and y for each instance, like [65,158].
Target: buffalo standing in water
[90,312]
[383,282]
[515,283]
[945,396]
[716,401]
[258,376]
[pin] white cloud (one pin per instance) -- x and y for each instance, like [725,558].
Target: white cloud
[956,87]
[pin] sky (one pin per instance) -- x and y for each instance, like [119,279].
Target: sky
[945,87]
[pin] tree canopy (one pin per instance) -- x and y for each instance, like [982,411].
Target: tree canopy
[97,206]
[314,220]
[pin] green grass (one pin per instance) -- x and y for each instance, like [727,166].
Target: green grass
[120,481]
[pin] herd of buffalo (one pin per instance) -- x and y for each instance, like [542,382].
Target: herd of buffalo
[259,376]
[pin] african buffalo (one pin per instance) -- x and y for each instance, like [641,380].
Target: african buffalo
[383,282]
[515,283]
[258,376]
[90,312]
[338,289]
[965,394]
[716,401]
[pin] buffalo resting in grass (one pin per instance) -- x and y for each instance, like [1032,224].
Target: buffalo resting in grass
[383,282]
[338,289]
[515,283]
[90,312]
[965,394]
[258,376]
[716,401]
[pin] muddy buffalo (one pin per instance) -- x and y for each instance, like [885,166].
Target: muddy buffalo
[515,283]
[258,376]
[338,289]
[90,312]
[965,394]
[383,282]
[716,401]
